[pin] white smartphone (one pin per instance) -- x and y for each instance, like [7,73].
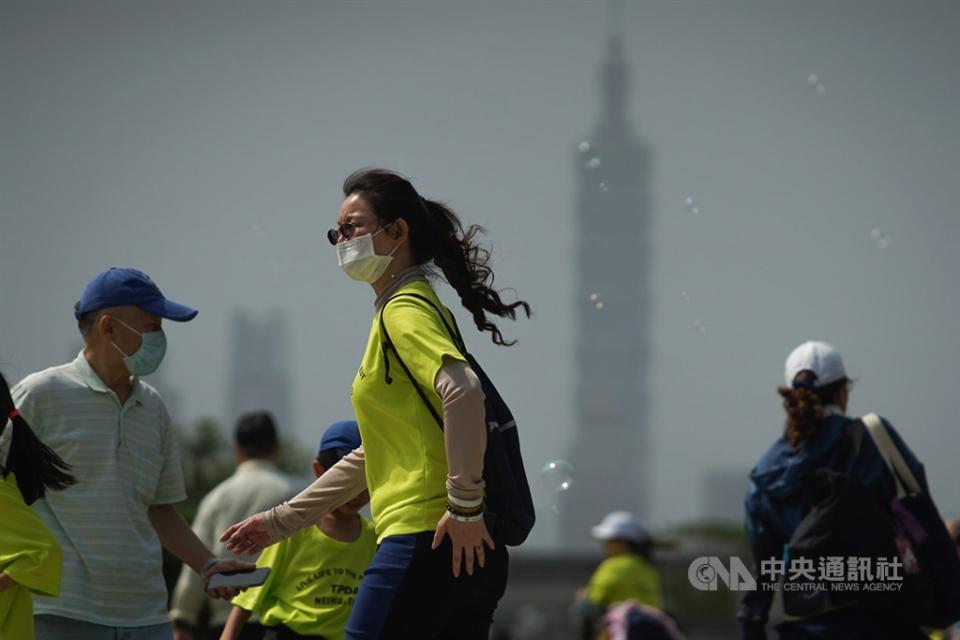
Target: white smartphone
[239,579]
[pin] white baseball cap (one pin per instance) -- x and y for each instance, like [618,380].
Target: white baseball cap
[819,358]
[620,525]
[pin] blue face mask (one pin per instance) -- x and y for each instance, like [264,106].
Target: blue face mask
[148,357]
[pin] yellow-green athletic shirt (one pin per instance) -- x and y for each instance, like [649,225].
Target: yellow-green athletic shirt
[30,555]
[406,464]
[624,577]
[313,581]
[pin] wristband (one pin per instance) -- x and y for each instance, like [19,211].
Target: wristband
[458,518]
[208,565]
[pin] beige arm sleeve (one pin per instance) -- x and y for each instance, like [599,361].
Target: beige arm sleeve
[464,431]
[341,483]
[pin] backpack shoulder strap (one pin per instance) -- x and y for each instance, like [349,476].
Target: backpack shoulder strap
[903,476]
[388,345]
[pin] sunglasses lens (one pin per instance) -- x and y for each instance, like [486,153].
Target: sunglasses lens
[333,235]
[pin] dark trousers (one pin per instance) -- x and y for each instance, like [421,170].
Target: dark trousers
[409,591]
[281,632]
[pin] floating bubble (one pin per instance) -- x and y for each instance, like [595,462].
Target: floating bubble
[594,297]
[699,326]
[557,475]
[593,163]
[688,202]
[685,296]
[583,147]
[820,89]
[692,205]
[603,187]
[812,79]
[599,305]
[695,210]
[882,240]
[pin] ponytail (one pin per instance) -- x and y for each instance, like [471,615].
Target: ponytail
[465,265]
[36,466]
[805,406]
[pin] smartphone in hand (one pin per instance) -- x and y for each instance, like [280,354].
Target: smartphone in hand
[239,579]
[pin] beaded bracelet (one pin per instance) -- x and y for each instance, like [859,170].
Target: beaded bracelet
[476,518]
[464,513]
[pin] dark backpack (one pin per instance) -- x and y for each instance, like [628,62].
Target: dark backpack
[845,520]
[509,514]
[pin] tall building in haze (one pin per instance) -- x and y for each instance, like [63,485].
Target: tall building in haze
[610,453]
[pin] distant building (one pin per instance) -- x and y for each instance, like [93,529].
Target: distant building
[258,373]
[611,453]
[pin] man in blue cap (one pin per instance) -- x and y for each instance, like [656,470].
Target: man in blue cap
[113,429]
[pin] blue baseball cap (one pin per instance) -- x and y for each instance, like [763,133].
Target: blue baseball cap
[343,435]
[118,287]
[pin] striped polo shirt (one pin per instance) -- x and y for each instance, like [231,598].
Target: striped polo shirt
[125,459]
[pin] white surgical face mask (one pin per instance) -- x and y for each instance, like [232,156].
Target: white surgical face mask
[359,259]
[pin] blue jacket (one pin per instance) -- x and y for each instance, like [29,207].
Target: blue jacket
[775,505]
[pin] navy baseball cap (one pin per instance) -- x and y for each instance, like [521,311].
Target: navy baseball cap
[118,287]
[343,436]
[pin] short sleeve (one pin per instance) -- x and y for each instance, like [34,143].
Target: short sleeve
[28,551]
[170,487]
[27,403]
[252,599]
[420,337]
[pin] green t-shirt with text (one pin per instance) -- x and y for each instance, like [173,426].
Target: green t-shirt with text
[313,581]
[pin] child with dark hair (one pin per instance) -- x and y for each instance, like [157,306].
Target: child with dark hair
[29,554]
[315,574]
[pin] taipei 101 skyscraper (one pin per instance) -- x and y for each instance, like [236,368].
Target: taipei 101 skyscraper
[610,451]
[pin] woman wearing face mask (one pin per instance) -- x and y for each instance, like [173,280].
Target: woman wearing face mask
[437,572]
[29,554]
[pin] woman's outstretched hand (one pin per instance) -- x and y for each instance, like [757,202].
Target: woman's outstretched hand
[468,539]
[248,537]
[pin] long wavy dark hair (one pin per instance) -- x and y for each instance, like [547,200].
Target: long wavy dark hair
[36,466]
[805,405]
[437,235]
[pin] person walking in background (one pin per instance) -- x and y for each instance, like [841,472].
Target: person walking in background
[112,427]
[626,573]
[815,399]
[315,574]
[29,554]
[256,485]
[426,483]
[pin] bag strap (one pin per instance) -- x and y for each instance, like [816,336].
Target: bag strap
[388,344]
[902,475]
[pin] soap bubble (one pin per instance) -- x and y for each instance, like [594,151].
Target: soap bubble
[685,296]
[692,205]
[594,297]
[820,89]
[603,187]
[699,326]
[583,147]
[881,239]
[599,305]
[593,163]
[812,79]
[557,475]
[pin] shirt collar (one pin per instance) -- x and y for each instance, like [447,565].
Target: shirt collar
[255,464]
[89,377]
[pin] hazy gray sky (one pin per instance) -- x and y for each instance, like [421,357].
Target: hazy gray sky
[206,143]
